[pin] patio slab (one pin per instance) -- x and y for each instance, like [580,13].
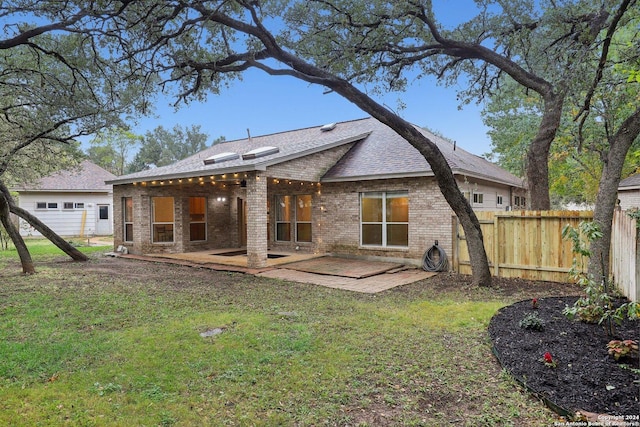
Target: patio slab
[339,273]
[370,285]
[345,267]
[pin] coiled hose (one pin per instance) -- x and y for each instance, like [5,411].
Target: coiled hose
[430,264]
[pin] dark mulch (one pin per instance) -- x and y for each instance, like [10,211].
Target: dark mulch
[586,378]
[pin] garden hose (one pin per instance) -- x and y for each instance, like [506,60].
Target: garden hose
[430,264]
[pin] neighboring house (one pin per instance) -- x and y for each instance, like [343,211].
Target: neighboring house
[353,188]
[629,192]
[74,202]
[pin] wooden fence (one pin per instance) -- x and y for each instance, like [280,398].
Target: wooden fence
[529,244]
[526,244]
[625,254]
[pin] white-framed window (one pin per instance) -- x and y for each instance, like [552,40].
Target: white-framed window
[197,219]
[162,224]
[46,205]
[127,220]
[498,200]
[516,201]
[293,218]
[384,219]
[72,205]
[478,198]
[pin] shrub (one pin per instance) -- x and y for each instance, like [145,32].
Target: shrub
[532,322]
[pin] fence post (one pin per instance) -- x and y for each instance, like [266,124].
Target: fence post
[496,246]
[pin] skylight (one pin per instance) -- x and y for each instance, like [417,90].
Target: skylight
[221,157]
[260,152]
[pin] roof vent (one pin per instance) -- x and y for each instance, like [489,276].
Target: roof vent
[328,127]
[221,157]
[260,152]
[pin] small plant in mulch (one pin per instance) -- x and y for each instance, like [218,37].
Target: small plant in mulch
[597,305]
[548,360]
[532,322]
[534,303]
[623,349]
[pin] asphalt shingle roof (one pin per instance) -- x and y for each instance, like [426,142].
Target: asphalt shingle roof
[379,152]
[632,181]
[86,177]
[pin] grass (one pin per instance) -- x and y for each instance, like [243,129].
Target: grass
[117,342]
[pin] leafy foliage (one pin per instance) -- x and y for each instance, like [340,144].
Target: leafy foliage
[161,147]
[532,322]
[111,149]
[597,305]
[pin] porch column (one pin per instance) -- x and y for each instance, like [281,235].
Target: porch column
[256,220]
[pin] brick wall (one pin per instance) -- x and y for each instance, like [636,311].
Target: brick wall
[220,214]
[335,214]
[429,217]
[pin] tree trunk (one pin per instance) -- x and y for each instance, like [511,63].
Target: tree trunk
[481,274]
[608,193]
[61,243]
[14,235]
[537,167]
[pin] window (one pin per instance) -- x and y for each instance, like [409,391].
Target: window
[162,219]
[516,200]
[293,213]
[72,205]
[478,198]
[197,219]
[103,212]
[52,205]
[41,205]
[127,210]
[283,218]
[523,201]
[303,218]
[498,200]
[384,219]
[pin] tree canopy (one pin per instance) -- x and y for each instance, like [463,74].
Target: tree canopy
[161,147]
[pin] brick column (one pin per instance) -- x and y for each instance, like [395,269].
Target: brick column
[256,220]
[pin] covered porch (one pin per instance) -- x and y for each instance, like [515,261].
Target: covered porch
[247,219]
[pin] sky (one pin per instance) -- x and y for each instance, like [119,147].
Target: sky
[269,104]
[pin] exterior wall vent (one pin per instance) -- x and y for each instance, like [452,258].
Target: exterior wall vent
[260,152]
[221,157]
[328,127]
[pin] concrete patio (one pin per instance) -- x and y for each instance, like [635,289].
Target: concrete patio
[334,272]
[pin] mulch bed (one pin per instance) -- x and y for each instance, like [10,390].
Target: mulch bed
[586,378]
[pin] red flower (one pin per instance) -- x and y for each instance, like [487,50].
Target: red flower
[534,303]
[547,358]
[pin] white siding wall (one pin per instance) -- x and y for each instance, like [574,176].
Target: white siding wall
[629,199]
[489,192]
[66,222]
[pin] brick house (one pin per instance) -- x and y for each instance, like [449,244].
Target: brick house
[629,192]
[351,188]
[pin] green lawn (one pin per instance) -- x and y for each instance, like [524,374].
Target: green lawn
[117,342]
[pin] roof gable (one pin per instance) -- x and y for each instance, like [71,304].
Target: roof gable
[386,154]
[86,177]
[273,149]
